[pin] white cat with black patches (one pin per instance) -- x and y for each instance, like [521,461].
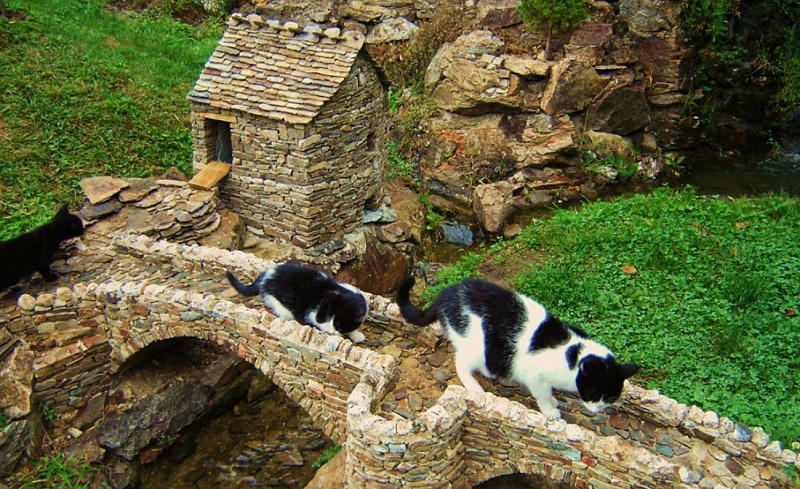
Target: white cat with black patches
[308,296]
[508,335]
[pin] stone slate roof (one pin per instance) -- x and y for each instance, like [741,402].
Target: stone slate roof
[275,70]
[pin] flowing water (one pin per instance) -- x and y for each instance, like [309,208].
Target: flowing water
[742,175]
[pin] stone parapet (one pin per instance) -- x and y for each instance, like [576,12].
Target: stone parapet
[81,335]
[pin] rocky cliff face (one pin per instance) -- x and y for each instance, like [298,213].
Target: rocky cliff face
[514,130]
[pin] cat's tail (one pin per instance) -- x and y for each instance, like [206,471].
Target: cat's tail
[409,311]
[248,290]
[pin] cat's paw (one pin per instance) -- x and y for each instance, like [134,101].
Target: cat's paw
[356,336]
[551,413]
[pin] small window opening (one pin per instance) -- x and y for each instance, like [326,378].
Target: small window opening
[223,148]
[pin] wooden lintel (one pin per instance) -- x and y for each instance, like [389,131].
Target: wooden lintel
[209,176]
[218,117]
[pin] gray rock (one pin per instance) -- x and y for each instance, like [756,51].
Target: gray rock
[457,234]
[92,212]
[165,412]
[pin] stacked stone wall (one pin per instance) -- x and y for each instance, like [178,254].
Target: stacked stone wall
[463,439]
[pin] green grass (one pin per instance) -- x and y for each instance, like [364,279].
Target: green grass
[712,312]
[58,472]
[88,91]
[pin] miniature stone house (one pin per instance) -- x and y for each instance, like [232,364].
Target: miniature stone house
[300,115]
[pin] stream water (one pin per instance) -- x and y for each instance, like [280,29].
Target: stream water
[741,175]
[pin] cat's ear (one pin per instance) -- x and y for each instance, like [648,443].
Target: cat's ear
[628,369]
[63,211]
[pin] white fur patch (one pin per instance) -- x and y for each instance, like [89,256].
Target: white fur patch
[277,308]
[470,355]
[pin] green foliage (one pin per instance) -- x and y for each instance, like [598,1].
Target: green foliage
[59,472]
[624,168]
[788,65]
[49,414]
[3,421]
[395,100]
[724,46]
[555,15]
[326,456]
[87,91]
[465,267]
[399,166]
[404,64]
[708,309]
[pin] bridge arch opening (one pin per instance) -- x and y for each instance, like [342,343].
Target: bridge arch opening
[524,481]
[205,416]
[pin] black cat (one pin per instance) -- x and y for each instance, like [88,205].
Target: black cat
[308,296]
[34,250]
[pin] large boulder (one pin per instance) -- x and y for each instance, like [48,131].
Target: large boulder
[621,111]
[492,146]
[468,76]
[571,88]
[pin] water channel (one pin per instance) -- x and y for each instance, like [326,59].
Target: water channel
[272,442]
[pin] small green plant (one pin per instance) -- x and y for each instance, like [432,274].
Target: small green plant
[434,219]
[326,456]
[49,413]
[3,421]
[398,165]
[623,168]
[774,145]
[552,16]
[395,100]
[165,441]
[673,161]
[58,472]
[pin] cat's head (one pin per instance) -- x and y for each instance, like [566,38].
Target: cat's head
[348,309]
[600,380]
[68,225]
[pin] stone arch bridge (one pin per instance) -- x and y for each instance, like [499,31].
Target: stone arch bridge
[401,424]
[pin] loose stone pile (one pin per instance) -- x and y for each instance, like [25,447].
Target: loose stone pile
[162,208]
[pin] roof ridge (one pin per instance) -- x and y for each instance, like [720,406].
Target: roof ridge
[311,31]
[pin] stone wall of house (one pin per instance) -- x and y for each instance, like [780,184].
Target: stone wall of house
[80,335]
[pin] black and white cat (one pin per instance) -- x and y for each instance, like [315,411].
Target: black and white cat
[308,296]
[508,335]
[33,251]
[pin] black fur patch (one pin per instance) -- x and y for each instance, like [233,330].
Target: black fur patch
[33,251]
[550,334]
[501,312]
[303,290]
[572,355]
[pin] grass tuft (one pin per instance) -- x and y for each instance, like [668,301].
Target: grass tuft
[88,91]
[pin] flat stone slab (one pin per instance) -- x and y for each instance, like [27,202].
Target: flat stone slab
[100,189]
[137,190]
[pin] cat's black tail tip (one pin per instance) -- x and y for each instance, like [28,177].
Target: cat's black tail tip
[404,289]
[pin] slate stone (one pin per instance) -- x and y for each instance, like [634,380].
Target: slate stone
[100,189]
[137,190]
[92,212]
